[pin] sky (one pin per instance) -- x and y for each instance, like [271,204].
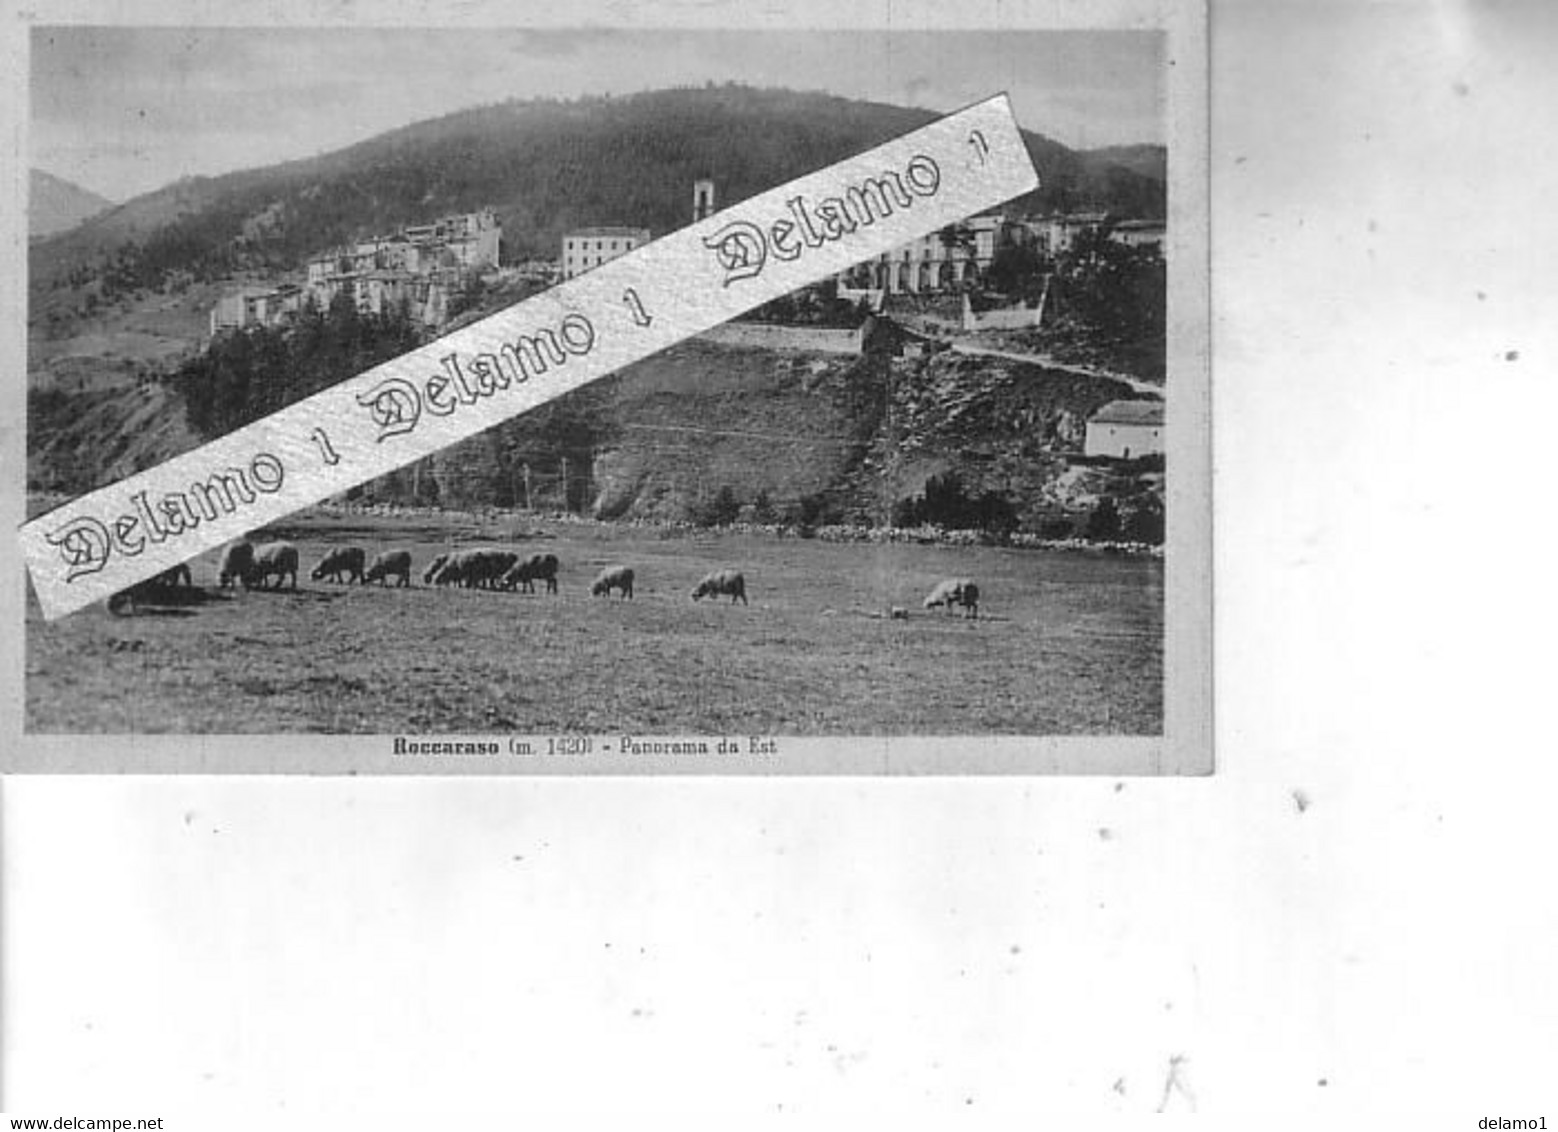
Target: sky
[124,110]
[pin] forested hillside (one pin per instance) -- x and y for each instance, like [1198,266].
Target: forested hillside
[699,432]
[545,166]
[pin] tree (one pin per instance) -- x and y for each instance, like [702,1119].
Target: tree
[242,376]
[763,510]
[1016,269]
[470,473]
[947,504]
[467,296]
[813,511]
[1141,520]
[1117,289]
[956,236]
[1103,525]
[722,511]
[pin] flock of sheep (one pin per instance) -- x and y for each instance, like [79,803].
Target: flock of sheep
[256,567]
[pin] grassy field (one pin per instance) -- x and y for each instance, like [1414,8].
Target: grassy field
[1067,644]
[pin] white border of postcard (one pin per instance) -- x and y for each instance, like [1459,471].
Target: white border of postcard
[1186,744]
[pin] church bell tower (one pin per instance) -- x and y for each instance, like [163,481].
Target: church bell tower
[702,200]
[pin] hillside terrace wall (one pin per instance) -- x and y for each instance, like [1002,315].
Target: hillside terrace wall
[872,297]
[1014,318]
[78,379]
[813,338]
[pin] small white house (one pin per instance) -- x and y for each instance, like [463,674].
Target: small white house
[1125,430]
[1140,234]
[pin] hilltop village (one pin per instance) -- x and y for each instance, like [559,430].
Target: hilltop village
[1003,374]
[947,459]
[988,293]
[417,267]
[965,309]
[420,268]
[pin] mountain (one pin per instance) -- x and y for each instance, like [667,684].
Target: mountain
[55,205]
[122,299]
[544,165]
[1149,161]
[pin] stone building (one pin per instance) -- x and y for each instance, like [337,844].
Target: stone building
[255,306]
[418,266]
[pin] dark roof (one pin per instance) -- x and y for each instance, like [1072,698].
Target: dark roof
[1130,412]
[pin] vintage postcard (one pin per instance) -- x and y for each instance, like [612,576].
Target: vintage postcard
[800,392]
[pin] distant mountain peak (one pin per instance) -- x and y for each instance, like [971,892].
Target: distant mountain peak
[56,205]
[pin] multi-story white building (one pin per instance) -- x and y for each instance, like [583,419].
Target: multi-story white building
[587,248]
[1055,234]
[472,238]
[944,260]
[941,261]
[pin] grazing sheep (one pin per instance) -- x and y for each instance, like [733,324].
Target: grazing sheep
[346,560]
[495,564]
[433,568]
[483,568]
[274,558]
[237,561]
[525,574]
[458,569]
[955,591]
[454,569]
[466,568]
[730,582]
[125,600]
[613,578]
[391,562]
[462,568]
[151,589]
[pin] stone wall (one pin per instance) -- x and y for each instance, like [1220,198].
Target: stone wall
[827,341]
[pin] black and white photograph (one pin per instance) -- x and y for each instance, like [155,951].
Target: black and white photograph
[953,492]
